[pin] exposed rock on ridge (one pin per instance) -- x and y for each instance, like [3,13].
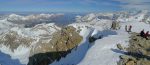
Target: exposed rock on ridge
[137,53]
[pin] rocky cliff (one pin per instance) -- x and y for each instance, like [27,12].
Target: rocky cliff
[61,44]
[138,52]
[42,40]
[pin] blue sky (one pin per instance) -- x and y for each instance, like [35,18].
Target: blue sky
[72,5]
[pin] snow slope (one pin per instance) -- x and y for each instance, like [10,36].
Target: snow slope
[87,54]
[102,51]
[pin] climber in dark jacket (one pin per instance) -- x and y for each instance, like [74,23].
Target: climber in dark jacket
[142,33]
[147,35]
[130,27]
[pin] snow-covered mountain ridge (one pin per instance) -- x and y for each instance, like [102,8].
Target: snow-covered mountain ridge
[103,51]
[24,39]
[18,39]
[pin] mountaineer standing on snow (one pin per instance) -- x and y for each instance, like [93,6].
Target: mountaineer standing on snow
[147,35]
[142,33]
[130,27]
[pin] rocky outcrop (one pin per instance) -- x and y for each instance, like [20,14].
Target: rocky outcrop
[115,25]
[119,47]
[62,40]
[93,39]
[137,53]
[13,40]
[61,44]
[27,37]
[42,42]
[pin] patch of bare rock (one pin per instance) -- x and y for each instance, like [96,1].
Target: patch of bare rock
[137,52]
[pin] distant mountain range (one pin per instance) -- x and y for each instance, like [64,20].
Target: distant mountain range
[19,34]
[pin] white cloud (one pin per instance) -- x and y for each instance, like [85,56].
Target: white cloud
[32,20]
[135,4]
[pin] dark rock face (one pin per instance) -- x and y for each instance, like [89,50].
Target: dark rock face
[47,58]
[137,52]
[93,39]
